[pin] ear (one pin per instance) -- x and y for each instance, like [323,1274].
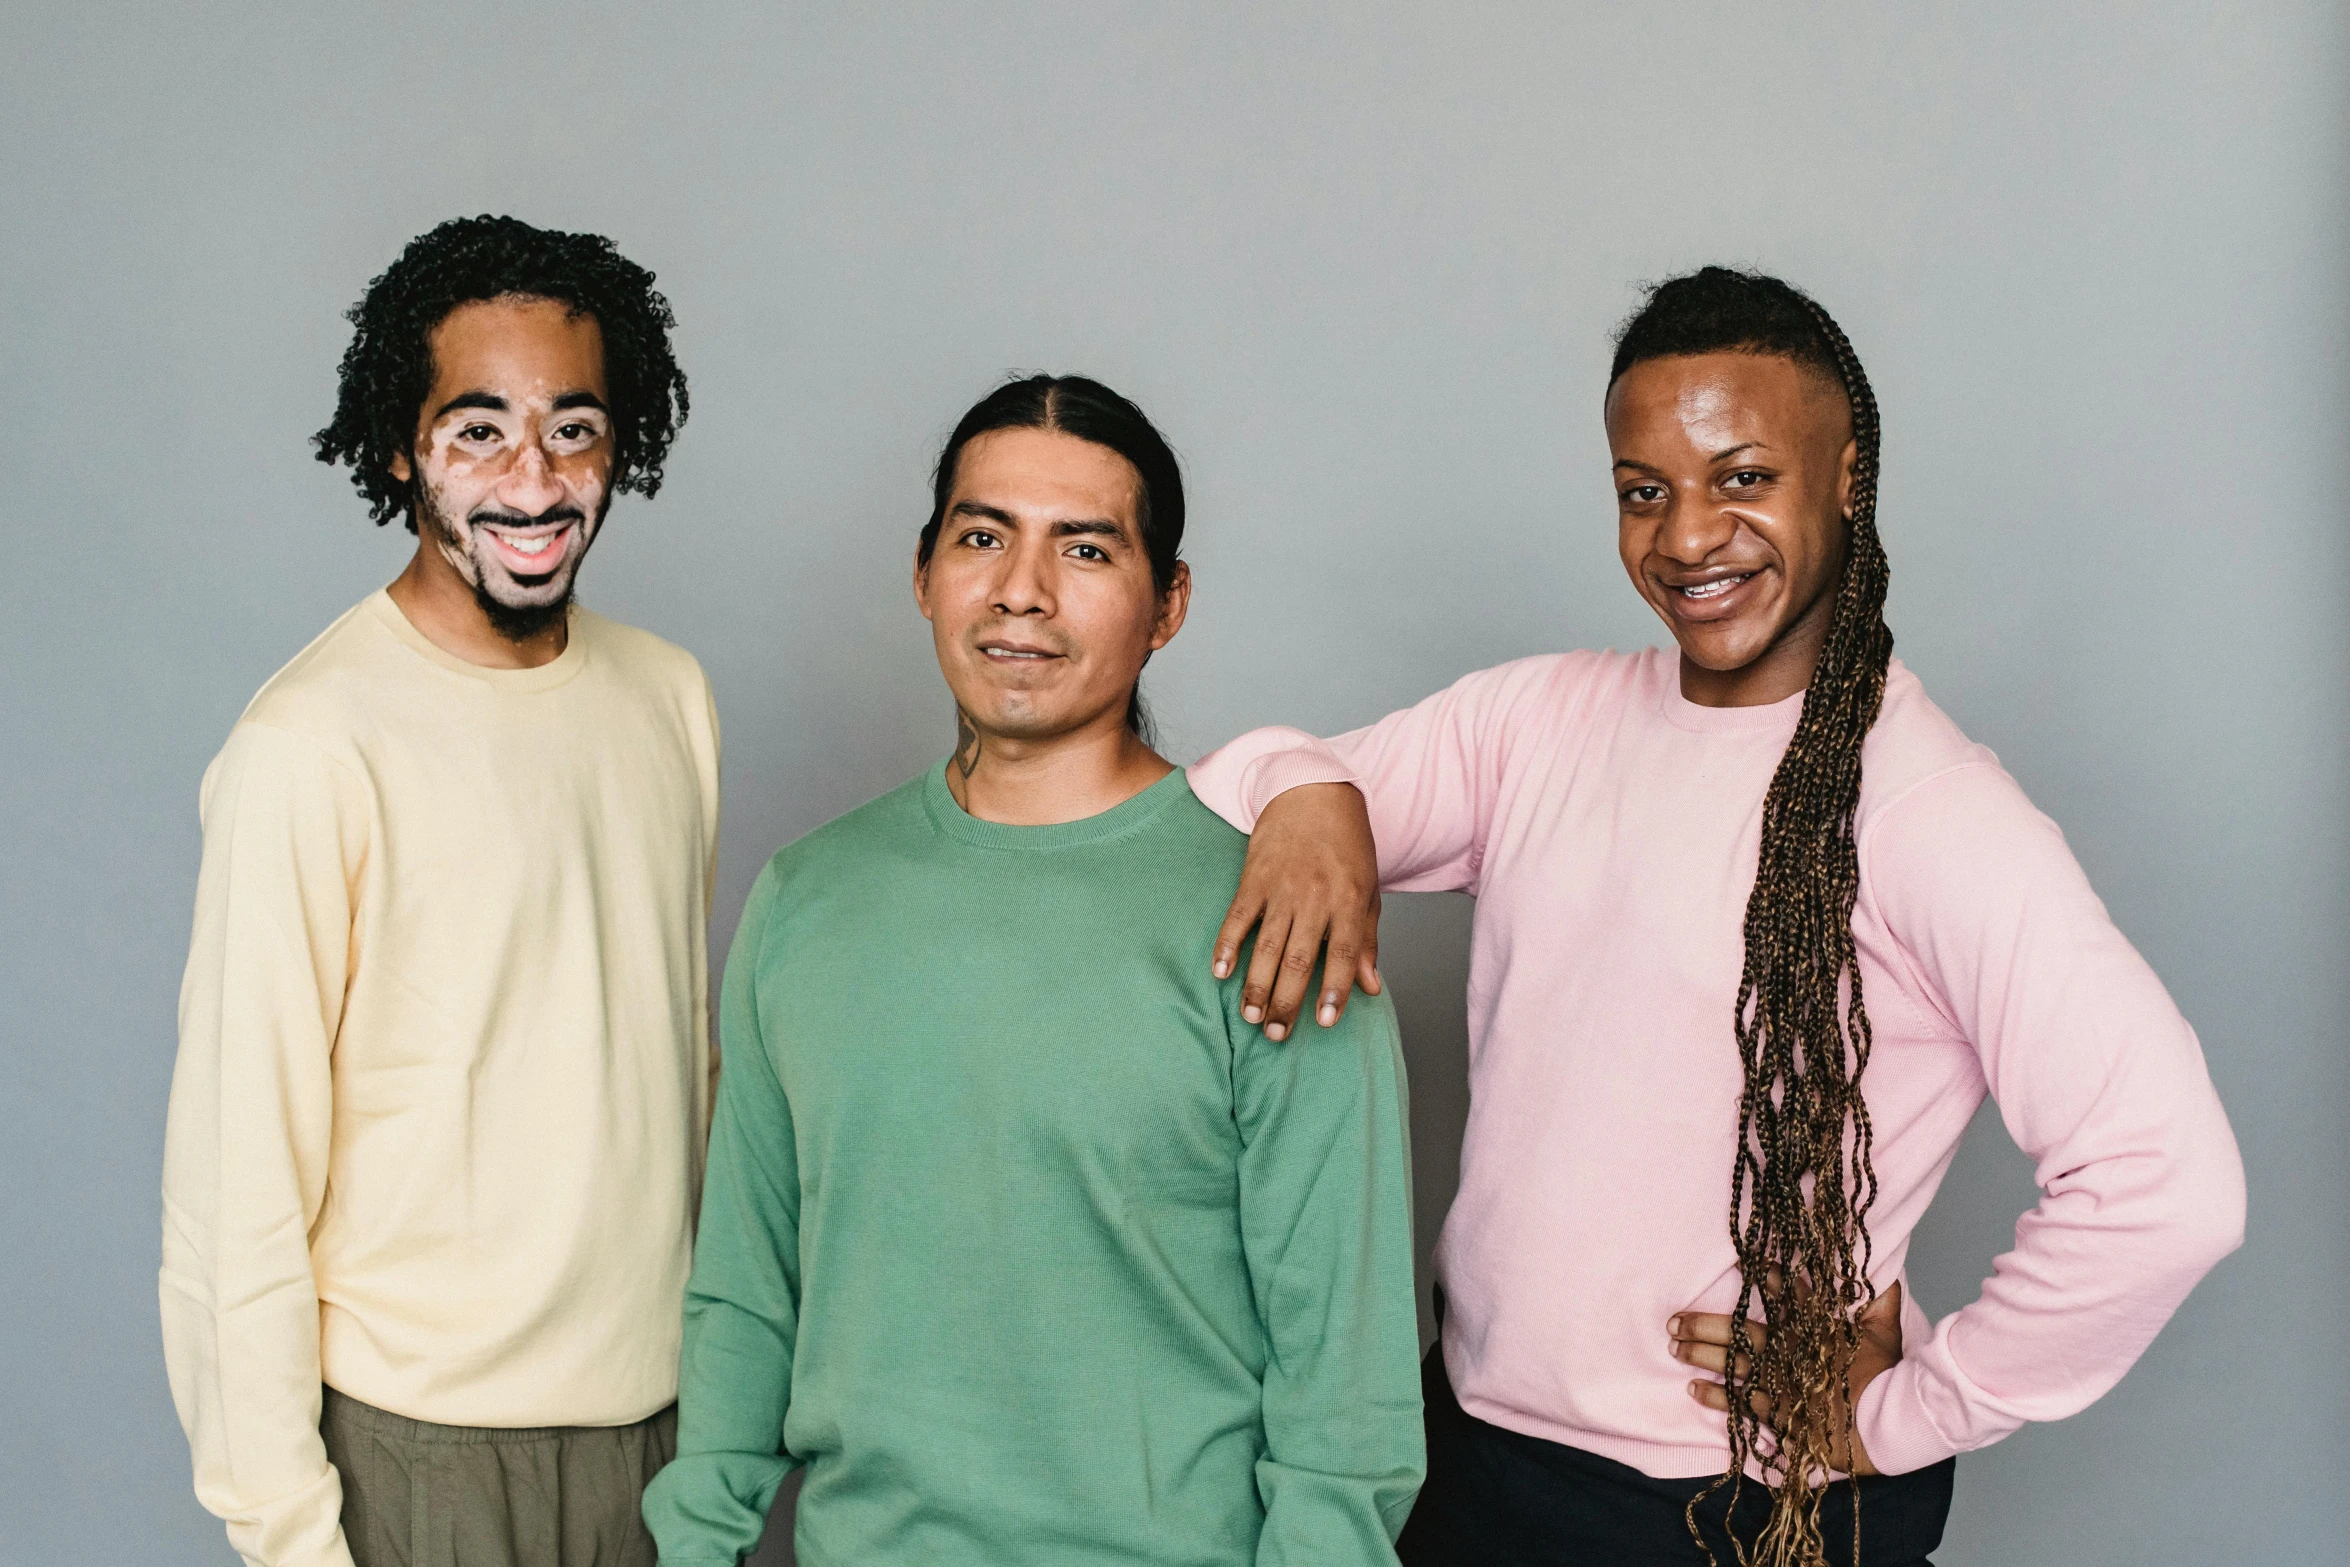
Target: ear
[1847,474]
[1174,604]
[922,585]
[402,469]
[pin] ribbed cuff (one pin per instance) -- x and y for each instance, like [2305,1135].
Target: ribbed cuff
[1271,776]
[1894,1427]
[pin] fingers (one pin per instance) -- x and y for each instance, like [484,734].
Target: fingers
[1256,991]
[1710,1357]
[1705,1327]
[1352,936]
[1716,1397]
[1337,977]
[1353,959]
[1295,975]
[1237,921]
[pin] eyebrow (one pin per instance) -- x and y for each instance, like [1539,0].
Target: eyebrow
[1725,452]
[1063,528]
[498,405]
[1088,525]
[489,400]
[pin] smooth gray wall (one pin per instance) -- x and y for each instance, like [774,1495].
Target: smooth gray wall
[1361,262]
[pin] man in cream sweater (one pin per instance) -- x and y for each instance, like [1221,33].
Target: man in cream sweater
[436,1125]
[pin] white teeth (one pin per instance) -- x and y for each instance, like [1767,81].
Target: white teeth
[537,546]
[1713,589]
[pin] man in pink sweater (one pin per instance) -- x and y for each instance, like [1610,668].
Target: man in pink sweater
[1757,928]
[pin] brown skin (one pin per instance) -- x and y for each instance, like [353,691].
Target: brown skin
[1730,468]
[1042,608]
[1703,1340]
[513,439]
[1734,476]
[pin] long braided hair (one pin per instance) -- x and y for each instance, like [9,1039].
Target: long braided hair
[1803,1181]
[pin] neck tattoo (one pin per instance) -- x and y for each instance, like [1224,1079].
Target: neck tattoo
[966,745]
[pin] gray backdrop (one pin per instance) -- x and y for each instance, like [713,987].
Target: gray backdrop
[1361,262]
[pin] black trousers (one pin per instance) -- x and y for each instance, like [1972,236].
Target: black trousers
[1497,1498]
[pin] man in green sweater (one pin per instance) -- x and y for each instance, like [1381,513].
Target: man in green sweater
[1015,1234]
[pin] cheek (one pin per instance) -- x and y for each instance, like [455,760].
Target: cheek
[1634,536]
[1118,616]
[1811,556]
[955,601]
[586,478]
[458,480]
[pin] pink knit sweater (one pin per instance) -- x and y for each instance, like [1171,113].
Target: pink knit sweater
[1608,830]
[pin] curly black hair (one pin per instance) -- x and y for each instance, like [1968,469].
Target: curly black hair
[387,371]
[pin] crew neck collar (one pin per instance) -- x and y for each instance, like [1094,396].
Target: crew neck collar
[1127,816]
[1681,713]
[546,677]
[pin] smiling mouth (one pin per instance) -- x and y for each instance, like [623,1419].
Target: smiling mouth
[1015,655]
[532,554]
[1701,591]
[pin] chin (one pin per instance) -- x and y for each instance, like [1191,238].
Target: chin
[1721,655]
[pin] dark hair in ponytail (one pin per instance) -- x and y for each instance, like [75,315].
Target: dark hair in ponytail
[1090,411]
[1803,1180]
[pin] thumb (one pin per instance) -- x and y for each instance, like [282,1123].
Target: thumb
[1882,1317]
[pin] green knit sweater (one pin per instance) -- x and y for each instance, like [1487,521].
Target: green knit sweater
[1018,1237]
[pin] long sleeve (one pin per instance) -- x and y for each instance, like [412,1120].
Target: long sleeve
[245,1149]
[742,1304]
[1325,1216]
[1430,774]
[2099,1079]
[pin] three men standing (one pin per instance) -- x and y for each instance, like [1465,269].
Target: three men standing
[436,1130]
[1020,1235]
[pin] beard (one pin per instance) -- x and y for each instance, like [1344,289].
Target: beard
[514,622]
[521,622]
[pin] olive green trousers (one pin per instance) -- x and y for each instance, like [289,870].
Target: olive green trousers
[422,1495]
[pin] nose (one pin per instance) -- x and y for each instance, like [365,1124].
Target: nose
[529,486]
[1693,530]
[1024,584]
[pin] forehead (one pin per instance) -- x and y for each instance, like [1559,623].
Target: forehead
[1046,473]
[1708,397]
[519,346]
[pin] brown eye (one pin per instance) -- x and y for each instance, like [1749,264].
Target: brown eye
[1743,479]
[478,432]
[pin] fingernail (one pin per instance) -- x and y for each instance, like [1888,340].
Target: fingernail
[1275,1032]
[1674,1327]
[1223,968]
[1328,1014]
[1253,1014]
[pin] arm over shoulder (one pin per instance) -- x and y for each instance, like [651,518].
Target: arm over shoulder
[1430,773]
